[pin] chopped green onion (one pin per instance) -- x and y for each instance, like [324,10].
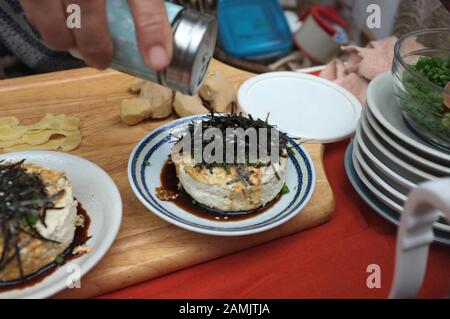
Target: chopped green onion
[285,189]
[59,260]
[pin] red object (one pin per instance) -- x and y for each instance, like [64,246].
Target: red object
[328,261]
[325,16]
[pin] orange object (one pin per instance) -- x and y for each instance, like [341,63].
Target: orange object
[447,95]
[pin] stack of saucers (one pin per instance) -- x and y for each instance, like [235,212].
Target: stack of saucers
[386,159]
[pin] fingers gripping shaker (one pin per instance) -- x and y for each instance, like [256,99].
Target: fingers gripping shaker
[194,39]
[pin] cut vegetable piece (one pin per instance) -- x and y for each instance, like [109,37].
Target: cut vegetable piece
[71,142]
[160,99]
[11,143]
[47,133]
[447,95]
[186,105]
[50,145]
[218,90]
[136,85]
[37,137]
[49,121]
[133,111]
[9,121]
[70,123]
[11,133]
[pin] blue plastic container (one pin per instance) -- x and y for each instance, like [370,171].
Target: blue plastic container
[253,29]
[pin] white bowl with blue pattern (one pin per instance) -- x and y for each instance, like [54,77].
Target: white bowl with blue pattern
[148,158]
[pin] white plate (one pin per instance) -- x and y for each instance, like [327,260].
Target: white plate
[376,204]
[397,177]
[387,157]
[366,162]
[98,194]
[377,192]
[303,105]
[381,192]
[402,151]
[382,183]
[155,149]
[383,105]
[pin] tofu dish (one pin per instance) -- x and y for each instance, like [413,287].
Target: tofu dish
[38,219]
[244,183]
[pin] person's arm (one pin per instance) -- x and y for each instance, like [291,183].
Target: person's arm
[92,40]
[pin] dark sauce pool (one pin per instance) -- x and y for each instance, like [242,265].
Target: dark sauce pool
[80,238]
[169,183]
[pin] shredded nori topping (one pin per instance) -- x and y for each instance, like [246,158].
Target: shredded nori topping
[224,121]
[23,202]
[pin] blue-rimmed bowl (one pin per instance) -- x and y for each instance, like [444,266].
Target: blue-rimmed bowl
[148,158]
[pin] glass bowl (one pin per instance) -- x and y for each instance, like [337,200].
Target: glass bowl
[420,98]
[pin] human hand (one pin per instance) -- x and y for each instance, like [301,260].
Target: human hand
[92,40]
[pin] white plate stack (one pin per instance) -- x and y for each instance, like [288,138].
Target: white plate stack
[387,157]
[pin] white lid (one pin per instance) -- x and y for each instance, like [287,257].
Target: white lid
[302,105]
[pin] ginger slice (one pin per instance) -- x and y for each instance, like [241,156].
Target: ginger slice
[37,137]
[40,137]
[49,121]
[71,142]
[9,121]
[49,133]
[50,145]
[70,123]
[11,133]
[11,143]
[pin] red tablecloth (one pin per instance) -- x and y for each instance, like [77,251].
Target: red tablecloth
[328,261]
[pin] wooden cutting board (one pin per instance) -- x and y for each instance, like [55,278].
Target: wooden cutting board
[146,246]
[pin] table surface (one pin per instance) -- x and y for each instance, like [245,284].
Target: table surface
[329,261]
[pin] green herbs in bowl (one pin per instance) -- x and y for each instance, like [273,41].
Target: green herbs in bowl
[420,79]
